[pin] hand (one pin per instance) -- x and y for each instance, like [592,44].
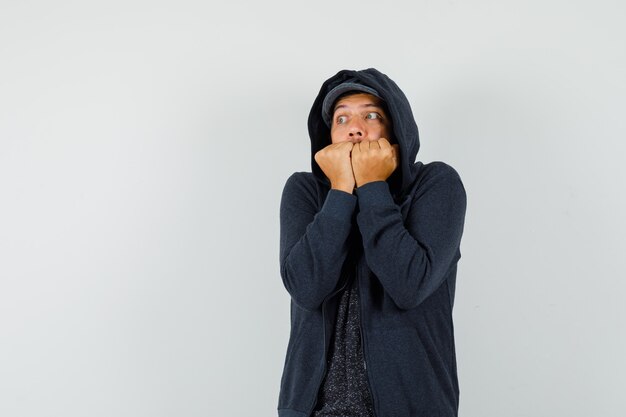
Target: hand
[374,160]
[334,160]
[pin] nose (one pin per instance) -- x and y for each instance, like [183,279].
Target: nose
[356,130]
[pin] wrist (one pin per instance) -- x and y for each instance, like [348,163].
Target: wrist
[367,181]
[348,188]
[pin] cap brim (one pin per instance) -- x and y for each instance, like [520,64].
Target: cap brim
[334,94]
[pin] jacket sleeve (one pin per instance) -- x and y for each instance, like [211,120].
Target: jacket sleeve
[313,244]
[411,261]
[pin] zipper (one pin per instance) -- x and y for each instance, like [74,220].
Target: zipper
[362,341]
[320,379]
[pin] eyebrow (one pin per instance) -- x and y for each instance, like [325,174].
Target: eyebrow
[361,106]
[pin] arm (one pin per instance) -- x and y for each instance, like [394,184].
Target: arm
[313,245]
[412,261]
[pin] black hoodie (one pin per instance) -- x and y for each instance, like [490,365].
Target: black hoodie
[400,239]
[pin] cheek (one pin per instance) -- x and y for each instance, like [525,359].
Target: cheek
[335,135]
[386,133]
[335,139]
[382,132]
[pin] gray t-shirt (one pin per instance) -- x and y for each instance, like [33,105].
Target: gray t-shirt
[344,391]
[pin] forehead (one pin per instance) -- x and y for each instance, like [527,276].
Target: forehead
[357,100]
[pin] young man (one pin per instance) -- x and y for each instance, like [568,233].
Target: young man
[369,245]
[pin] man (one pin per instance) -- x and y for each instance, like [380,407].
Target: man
[369,245]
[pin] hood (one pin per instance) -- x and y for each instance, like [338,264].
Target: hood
[404,126]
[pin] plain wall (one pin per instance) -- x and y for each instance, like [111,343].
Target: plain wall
[144,146]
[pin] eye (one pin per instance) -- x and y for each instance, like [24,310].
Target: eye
[373,115]
[341,120]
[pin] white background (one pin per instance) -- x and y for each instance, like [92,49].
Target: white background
[144,146]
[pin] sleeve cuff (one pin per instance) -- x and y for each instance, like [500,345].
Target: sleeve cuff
[375,193]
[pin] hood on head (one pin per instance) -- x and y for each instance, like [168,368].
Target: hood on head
[403,125]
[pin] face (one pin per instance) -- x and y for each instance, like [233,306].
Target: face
[359,117]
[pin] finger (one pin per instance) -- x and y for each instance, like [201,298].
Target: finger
[384,143]
[396,153]
[345,145]
[373,144]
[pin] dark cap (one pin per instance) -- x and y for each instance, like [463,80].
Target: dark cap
[331,97]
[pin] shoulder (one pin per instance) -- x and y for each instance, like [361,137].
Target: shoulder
[301,180]
[438,177]
[302,186]
[438,170]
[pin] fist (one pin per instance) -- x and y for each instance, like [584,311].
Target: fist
[334,160]
[374,160]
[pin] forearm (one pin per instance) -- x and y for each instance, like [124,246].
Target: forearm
[411,260]
[313,251]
